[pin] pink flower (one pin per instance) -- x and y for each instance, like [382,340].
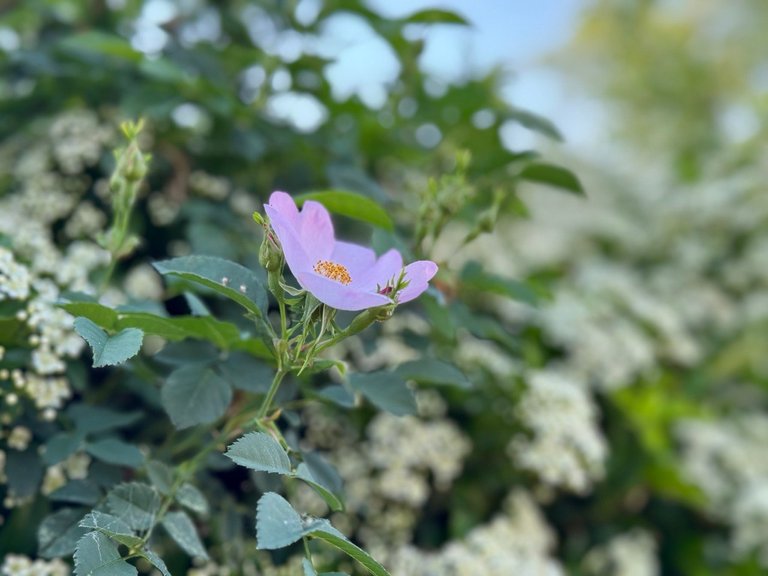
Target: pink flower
[340,274]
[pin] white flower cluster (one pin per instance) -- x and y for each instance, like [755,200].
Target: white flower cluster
[390,475]
[728,461]
[474,352]
[434,446]
[649,277]
[18,565]
[629,554]
[78,140]
[165,205]
[209,186]
[562,444]
[143,283]
[19,437]
[75,467]
[518,542]
[38,264]
[613,330]
[397,460]
[14,277]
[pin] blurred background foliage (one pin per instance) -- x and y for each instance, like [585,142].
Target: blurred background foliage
[616,422]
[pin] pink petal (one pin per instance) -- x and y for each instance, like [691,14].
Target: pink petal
[316,231]
[284,204]
[295,255]
[385,268]
[358,260]
[339,296]
[418,274]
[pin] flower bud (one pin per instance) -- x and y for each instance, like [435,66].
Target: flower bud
[368,317]
[132,163]
[270,253]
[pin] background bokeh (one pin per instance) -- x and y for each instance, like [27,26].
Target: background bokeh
[588,174]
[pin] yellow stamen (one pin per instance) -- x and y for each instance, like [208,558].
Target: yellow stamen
[333,271]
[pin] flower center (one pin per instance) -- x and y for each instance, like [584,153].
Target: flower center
[333,271]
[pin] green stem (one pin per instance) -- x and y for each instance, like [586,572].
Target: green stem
[119,232]
[189,468]
[283,319]
[265,405]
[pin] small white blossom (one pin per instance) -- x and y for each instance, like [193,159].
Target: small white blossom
[518,542]
[54,479]
[563,444]
[630,554]
[19,438]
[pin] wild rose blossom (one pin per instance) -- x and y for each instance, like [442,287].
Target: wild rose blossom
[342,275]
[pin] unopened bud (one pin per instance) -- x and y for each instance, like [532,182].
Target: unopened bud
[270,253]
[133,163]
[368,317]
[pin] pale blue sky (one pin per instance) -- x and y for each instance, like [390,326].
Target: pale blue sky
[515,34]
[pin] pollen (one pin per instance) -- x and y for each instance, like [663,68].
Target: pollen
[333,271]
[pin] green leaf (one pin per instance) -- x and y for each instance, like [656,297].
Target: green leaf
[304,473]
[102,315]
[222,334]
[135,503]
[93,419]
[323,471]
[475,279]
[97,555]
[350,204]
[23,471]
[260,451]
[196,305]
[189,496]
[78,492]
[100,44]
[556,176]
[58,533]
[226,278]
[62,446]
[155,560]
[181,353]
[323,530]
[175,328]
[245,372]
[182,530]
[431,371]
[385,390]
[111,526]
[13,332]
[277,523]
[338,395]
[109,350]
[192,395]
[309,570]
[160,475]
[164,70]
[435,16]
[535,123]
[117,452]
[105,475]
